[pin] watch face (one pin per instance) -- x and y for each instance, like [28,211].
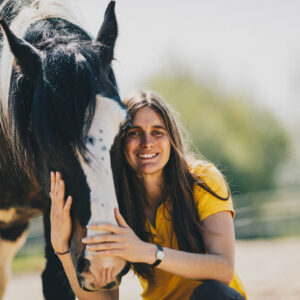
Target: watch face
[160,254]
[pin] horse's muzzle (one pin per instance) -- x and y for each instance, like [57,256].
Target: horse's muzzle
[90,281]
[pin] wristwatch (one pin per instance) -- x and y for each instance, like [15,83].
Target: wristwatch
[160,254]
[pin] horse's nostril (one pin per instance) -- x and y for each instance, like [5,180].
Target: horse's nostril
[111,285]
[92,285]
[82,265]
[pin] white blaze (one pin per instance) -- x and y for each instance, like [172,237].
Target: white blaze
[109,115]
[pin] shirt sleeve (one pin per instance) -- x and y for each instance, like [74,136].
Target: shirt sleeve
[207,203]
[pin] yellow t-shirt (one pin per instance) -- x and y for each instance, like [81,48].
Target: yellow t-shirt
[172,287]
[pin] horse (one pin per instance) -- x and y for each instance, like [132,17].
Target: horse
[59,110]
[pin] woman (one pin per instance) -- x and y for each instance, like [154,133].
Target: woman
[178,231]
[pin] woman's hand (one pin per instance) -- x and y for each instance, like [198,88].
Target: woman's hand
[61,225]
[121,242]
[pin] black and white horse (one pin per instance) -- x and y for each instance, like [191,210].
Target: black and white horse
[59,110]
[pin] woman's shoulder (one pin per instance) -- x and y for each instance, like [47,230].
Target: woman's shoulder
[209,174]
[208,204]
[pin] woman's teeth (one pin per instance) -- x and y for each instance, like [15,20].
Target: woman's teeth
[147,155]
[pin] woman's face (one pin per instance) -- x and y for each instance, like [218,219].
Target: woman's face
[147,145]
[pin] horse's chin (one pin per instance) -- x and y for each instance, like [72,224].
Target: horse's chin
[90,280]
[110,286]
[91,285]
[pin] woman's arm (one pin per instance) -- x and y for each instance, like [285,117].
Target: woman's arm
[217,264]
[61,227]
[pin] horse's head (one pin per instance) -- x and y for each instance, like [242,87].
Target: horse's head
[66,112]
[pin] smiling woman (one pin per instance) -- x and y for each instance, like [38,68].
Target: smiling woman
[147,146]
[177,229]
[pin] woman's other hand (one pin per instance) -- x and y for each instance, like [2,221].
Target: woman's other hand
[61,225]
[121,241]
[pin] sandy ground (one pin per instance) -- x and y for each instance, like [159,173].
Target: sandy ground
[270,270]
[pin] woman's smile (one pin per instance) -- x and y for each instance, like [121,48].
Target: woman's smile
[147,144]
[147,155]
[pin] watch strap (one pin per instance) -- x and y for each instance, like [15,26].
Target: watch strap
[158,261]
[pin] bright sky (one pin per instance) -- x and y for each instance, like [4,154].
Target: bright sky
[248,46]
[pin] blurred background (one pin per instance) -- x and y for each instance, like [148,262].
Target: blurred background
[232,71]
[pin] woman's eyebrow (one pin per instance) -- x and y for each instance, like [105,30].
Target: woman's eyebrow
[134,127]
[154,126]
[159,127]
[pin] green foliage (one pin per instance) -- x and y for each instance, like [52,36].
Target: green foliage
[31,262]
[246,142]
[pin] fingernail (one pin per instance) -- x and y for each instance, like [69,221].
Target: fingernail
[84,239]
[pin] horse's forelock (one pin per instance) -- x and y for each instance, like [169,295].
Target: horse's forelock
[64,103]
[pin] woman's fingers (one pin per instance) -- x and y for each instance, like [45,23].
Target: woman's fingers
[57,194]
[67,207]
[52,176]
[105,227]
[57,180]
[121,221]
[57,186]
[102,238]
[104,246]
[61,226]
[61,194]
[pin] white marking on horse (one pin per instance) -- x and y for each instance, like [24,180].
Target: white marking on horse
[8,250]
[109,115]
[7,215]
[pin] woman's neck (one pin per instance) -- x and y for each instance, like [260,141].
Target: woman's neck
[153,186]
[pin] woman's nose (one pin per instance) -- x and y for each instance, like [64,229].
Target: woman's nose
[147,140]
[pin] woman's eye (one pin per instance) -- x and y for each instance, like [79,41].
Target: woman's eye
[157,133]
[133,133]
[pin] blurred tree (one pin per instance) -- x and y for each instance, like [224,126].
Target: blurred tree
[246,142]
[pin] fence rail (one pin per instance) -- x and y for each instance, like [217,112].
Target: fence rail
[268,213]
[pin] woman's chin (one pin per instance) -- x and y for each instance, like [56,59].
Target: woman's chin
[149,169]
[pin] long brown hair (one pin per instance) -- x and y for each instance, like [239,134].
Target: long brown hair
[178,185]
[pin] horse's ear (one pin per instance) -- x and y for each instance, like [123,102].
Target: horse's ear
[28,58]
[108,33]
